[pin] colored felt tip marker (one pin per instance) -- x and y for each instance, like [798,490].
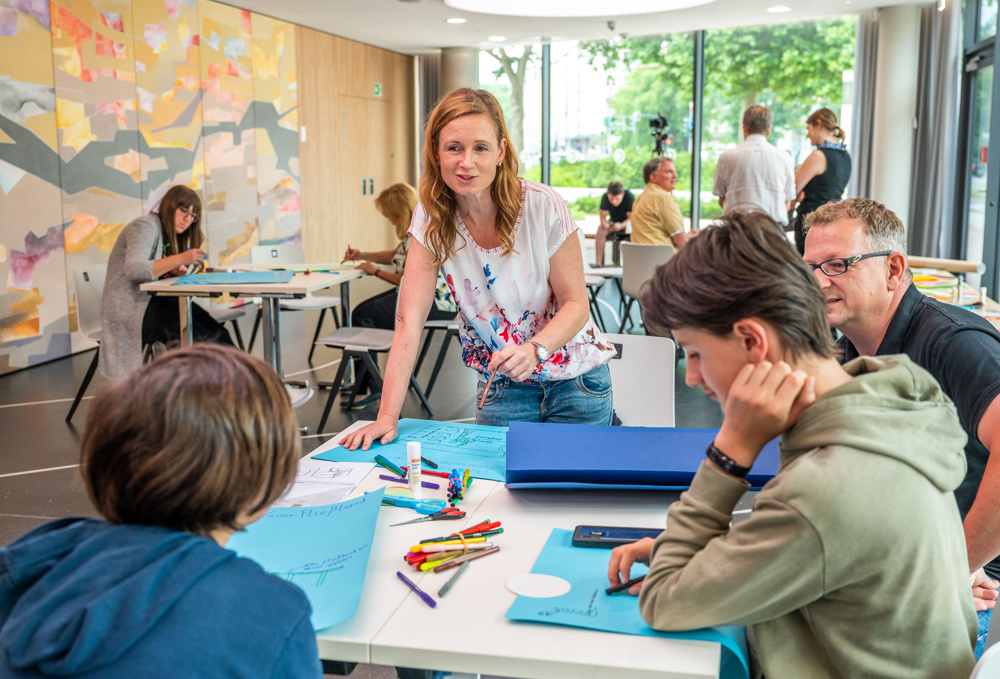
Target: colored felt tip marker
[421,593]
[456,562]
[381,461]
[623,587]
[451,581]
[489,383]
[432,465]
[428,472]
[423,484]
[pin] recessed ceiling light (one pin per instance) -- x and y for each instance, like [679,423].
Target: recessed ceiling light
[572,8]
[496,38]
[779,8]
[456,20]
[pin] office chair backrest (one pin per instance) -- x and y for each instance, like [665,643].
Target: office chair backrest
[642,377]
[89,284]
[639,262]
[988,666]
[292,253]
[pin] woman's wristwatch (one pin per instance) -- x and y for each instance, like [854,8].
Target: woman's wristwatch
[541,353]
[726,463]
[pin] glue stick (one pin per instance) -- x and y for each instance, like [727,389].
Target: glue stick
[413,467]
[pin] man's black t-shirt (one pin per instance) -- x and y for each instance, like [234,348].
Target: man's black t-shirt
[962,351]
[617,215]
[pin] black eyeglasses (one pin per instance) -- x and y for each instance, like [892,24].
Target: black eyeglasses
[835,267]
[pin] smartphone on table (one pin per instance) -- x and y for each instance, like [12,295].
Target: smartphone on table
[609,537]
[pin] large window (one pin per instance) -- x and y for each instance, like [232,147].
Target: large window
[605,95]
[793,69]
[513,75]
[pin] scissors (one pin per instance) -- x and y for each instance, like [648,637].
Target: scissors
[427,506]
[446,514]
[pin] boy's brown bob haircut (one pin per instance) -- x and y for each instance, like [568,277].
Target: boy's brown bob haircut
[742,268]
[190,441]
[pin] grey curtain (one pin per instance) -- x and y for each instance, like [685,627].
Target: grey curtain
[931,229]
[863,122]
[429,67]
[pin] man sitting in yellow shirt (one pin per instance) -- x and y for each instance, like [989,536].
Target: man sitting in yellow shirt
[656,218]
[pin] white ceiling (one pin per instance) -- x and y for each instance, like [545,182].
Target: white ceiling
[415,27]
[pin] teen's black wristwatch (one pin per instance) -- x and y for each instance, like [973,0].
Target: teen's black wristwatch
[726,463]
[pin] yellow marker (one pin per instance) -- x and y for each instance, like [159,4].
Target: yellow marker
[427,565]
[420,548]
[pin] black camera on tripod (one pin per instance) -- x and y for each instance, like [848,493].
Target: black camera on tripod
[661,133]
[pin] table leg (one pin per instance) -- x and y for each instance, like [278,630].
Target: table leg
[345,304]
[187,327]
[277,338]
[347,321]
[268,332]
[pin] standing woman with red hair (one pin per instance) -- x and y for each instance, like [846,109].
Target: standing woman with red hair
[513,263]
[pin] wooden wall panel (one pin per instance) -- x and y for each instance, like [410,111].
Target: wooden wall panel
[351,134]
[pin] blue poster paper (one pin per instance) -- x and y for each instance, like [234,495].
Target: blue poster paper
[235,277]
[322,550]
[479,448]
[586,604]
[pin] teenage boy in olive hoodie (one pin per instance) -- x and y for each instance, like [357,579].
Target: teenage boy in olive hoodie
[853,562]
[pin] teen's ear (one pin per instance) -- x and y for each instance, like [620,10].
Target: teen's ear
[897,271]
[753,339]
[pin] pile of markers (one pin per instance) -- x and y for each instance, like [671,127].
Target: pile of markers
[451,551]
[457,484]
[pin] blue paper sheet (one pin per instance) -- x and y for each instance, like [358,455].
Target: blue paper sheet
[235,277]
[586,604]
[480,449]
[545,455]
[322,550]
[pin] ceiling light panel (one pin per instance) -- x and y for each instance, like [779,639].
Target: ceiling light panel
[572,8]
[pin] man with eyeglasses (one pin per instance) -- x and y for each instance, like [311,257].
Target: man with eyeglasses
[857,248]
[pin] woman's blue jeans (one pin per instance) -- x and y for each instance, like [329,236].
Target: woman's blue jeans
[583,400]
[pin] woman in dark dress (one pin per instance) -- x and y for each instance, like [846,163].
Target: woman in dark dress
[824,174]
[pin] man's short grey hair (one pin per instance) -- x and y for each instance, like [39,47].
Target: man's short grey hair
[758,120]
[882,228]
[652,166]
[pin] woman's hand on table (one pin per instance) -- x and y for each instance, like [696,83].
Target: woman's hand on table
[622,558]
[517,360]
[351,254]
[179,271]
[368,267]
[382,429]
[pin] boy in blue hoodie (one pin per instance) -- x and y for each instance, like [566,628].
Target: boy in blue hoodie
[176,457]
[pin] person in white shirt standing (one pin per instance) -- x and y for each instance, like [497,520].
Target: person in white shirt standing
[756,176]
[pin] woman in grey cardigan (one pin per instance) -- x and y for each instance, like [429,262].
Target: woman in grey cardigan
[162,243]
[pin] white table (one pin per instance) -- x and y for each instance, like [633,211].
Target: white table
[467,632]
[271,294]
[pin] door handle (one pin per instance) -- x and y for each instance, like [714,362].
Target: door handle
[371,187]
[363,187]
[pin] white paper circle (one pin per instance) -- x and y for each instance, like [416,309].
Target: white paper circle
[538,586]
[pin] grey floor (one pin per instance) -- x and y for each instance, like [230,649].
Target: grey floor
[39,450]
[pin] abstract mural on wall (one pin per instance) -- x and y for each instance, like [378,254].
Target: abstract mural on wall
[228,134]
[101,173]
[105,104]
[168,93]
[34,322]
[277,124]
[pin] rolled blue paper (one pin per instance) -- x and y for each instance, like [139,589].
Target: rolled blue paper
[479,448]
[322,550]
[235,277]
[586,604]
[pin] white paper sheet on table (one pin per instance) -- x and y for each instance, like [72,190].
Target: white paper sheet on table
[321,482]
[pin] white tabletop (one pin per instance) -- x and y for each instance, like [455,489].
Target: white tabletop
[301,284]
[350,641]
[467,631]
[606,271]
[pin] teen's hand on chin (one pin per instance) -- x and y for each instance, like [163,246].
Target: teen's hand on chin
[764,400]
